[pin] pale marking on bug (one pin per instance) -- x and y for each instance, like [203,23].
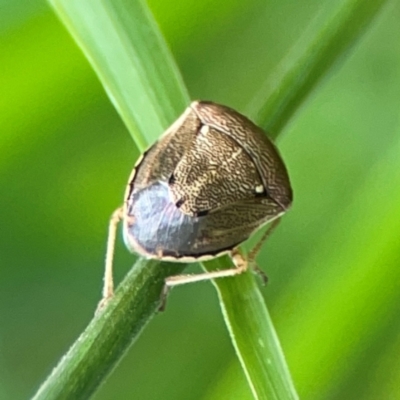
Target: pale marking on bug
[205,129]
[259,188]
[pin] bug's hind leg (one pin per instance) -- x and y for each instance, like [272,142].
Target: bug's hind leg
[238,259]
[241,265]
[256,249]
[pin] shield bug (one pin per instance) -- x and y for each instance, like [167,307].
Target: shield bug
[209,182]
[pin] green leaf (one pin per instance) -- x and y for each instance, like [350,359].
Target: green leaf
[127,51]
[253,334]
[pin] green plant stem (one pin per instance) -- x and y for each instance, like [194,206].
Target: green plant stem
[103,343]
[148,92]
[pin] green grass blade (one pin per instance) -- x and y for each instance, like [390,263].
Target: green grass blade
[325,43]
[253,335]
[127,51]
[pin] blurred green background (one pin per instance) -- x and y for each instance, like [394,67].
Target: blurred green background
[333,264]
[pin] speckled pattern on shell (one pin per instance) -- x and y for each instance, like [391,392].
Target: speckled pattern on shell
[215,171]
[205,186]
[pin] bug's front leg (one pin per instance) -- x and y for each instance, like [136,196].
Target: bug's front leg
[108,285]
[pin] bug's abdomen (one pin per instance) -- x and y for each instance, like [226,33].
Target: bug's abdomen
[158,226]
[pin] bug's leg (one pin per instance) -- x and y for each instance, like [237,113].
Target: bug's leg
[256,249]
[240,266]
[108,285]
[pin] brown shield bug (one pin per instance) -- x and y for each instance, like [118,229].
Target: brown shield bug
[209,182]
